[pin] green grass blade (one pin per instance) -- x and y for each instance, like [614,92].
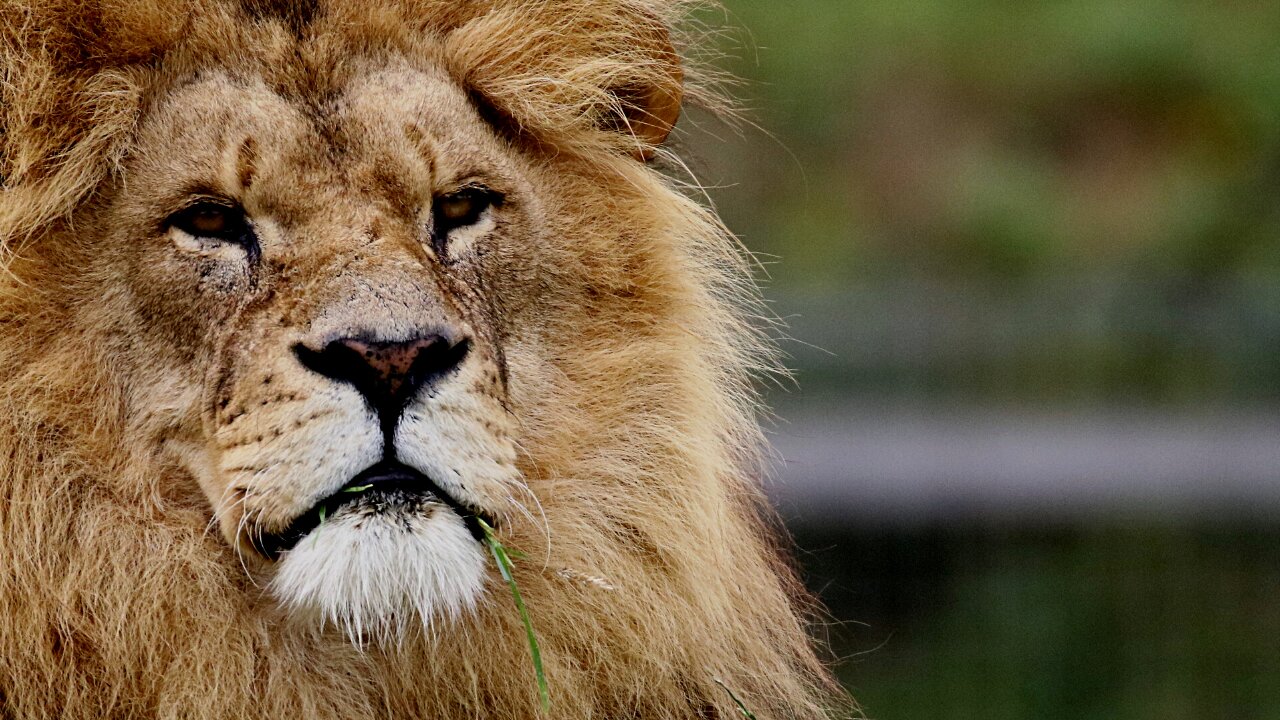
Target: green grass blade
[501,556]
[743,708]
[324,512]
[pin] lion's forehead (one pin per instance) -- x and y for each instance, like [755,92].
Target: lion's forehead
[388,132]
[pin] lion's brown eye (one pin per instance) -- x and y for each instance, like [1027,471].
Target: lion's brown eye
[209,221]
[460,209]
[214,221]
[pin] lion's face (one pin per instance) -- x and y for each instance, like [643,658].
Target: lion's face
[300,295]
[329,299]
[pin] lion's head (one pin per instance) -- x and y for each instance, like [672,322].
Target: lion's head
[302,296]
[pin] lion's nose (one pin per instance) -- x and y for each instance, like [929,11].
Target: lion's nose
[388,374]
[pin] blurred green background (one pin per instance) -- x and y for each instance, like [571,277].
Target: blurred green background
[1027,257]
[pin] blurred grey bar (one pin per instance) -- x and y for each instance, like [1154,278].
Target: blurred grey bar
[869,465]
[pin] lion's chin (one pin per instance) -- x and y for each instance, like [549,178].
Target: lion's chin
[380,577]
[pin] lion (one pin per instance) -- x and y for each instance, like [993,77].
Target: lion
[303,301]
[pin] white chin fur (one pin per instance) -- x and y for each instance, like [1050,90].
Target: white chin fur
[377,577]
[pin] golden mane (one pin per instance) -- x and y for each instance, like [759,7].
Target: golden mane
[118,600]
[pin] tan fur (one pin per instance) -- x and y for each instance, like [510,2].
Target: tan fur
[606,416]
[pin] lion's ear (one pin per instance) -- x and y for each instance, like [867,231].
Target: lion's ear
[650,104]
[562,73]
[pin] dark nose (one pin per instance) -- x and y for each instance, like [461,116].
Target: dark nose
[388,374]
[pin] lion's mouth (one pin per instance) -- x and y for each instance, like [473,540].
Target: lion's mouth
[388,486]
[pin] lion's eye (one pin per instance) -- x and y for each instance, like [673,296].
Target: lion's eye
[460,209]
[214,221]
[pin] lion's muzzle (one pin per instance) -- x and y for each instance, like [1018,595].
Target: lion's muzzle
[389,375]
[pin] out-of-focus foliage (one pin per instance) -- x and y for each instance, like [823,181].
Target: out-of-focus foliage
[1003,199]
[1101,623]
[1045,203]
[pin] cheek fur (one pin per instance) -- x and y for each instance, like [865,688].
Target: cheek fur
[290,455]
[462,437]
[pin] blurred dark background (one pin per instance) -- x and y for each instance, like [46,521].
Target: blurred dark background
[1027,256]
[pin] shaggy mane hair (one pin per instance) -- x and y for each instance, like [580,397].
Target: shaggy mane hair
[118,601]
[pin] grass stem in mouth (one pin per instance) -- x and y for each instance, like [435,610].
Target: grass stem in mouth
[503,557]
[324,512]
[743,708]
